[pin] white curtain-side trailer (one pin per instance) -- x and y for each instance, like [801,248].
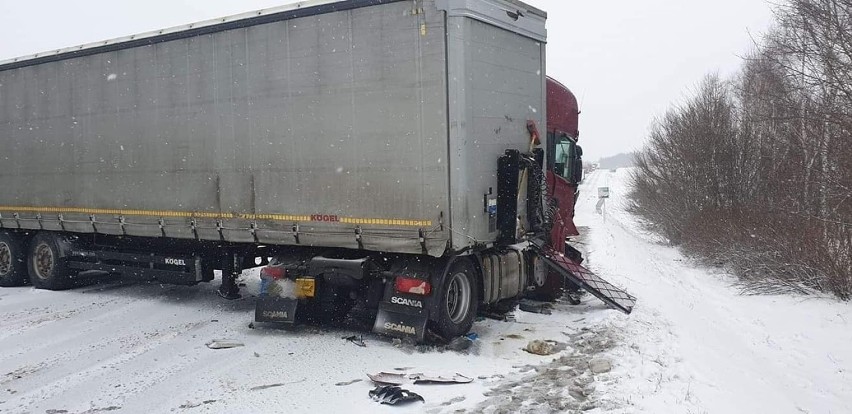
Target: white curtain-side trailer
[383,152]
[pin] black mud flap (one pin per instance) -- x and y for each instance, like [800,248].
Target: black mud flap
[275,310]
[401,321]
[588,280]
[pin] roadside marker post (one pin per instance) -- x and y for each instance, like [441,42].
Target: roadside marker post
[603,194]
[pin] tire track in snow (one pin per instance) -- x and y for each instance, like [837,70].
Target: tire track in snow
[130,325]
[113,366]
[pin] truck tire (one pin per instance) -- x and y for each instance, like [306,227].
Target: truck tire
[13,263]
[47,262]
[458,301]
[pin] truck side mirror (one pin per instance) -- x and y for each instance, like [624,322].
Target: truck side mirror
[577,174]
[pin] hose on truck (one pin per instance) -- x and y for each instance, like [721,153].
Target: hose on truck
[540,215]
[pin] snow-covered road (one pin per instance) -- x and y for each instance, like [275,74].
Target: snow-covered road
[692,345]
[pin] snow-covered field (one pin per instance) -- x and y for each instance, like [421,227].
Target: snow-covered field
[692,345]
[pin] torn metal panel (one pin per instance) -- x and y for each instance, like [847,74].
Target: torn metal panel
[588,280]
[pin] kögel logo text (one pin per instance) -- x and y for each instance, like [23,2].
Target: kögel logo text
[325,218]
[175,262]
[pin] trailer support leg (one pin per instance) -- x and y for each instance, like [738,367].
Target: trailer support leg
[231,269]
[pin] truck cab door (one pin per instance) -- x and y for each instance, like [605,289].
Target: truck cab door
[564,172]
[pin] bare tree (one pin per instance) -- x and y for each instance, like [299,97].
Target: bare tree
[756,174]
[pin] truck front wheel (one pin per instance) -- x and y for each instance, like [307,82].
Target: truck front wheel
[13,266]
[47,263]
[458,301]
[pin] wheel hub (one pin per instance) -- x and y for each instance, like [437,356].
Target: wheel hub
[458,298]
[43,261]
[5,258]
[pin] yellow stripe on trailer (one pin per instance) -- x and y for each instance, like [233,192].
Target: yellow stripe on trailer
[292,218]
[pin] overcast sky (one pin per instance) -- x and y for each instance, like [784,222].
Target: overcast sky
[626,60]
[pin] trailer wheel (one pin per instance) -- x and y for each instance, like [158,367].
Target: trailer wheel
[459,300]
[47,263]
[13,264]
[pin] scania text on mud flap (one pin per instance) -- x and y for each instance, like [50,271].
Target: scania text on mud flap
[407,302]
[423,239]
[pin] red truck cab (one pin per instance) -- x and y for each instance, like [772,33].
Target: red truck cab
[564,159]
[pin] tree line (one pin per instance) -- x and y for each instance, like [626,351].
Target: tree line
[755,172]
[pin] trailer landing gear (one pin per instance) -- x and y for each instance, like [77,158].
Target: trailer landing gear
[231,269]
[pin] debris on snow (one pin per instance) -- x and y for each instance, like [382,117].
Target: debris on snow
[356,339]
[600,366]
[462,343]
[532,306]
[390,378]
[499,316]
[544,348]
[345,383]
[455,379]
[196,405]
[265,387]
[564,384]
[224,344]
[391,395]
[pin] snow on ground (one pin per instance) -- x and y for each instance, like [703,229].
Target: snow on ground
[141,348]
[692,345]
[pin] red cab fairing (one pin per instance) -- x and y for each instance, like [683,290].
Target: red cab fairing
[562,120]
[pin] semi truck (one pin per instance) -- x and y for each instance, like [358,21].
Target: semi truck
[410,156]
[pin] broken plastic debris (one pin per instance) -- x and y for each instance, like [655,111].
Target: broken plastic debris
[400,379]
[356,339]
[389,378]
[224,344]
[391,395]
[455,379]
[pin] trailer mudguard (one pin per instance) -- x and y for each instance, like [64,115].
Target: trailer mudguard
[405,315]
[401,321]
